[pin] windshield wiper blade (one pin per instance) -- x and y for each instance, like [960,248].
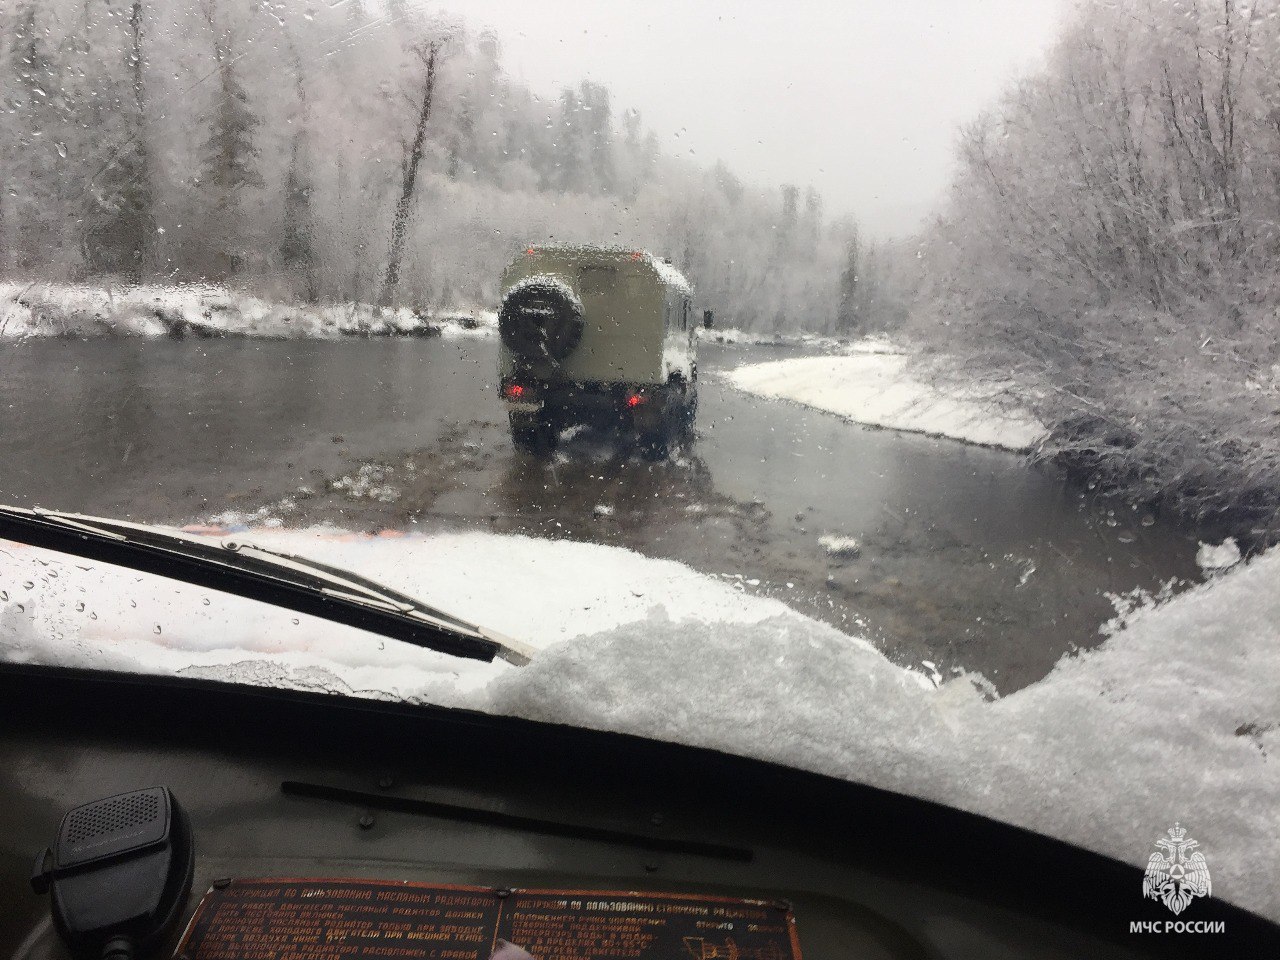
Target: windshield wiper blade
[248,570]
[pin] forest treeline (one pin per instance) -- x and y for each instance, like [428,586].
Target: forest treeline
[365,152]
[1110,253]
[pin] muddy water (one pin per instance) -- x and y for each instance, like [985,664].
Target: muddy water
[967,558]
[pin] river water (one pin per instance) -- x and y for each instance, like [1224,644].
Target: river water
[969,558]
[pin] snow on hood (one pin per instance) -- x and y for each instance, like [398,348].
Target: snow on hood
[539,591]
[1176,717]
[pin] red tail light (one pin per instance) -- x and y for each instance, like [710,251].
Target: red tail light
[513,391]
[636,399]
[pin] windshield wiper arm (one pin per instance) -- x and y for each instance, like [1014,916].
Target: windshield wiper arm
[247,570]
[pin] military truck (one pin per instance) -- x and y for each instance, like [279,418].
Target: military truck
[597,336]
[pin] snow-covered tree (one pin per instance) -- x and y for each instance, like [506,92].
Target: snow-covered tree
[229,164]
[117,223]
[235,139]
[1111,242]
[34,145]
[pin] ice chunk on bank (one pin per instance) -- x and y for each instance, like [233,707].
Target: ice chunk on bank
[844,548]
[1215,559]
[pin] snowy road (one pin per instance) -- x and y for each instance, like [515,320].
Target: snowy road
[951,554]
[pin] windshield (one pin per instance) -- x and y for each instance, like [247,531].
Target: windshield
[886,390]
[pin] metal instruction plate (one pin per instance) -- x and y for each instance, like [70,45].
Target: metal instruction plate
[308,919]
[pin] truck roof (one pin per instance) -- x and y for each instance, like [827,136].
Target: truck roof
[590,253]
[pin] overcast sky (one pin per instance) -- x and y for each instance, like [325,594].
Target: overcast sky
[860,98]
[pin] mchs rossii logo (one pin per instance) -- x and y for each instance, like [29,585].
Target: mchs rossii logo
[1176,874]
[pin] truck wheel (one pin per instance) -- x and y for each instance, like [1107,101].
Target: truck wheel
[686,414]
[533,433]
[655,445]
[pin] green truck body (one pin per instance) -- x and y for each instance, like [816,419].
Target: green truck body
[638,312]
[599,336]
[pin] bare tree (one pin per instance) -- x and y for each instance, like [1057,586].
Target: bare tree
[409,182]
[143,162]
[296,248]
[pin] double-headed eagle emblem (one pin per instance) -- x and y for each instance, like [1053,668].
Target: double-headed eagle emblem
[1180,877]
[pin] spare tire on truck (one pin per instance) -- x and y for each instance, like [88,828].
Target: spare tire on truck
[541,320]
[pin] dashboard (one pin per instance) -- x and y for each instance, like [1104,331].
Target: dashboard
[425,832]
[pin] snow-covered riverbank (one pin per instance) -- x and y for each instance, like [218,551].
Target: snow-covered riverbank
[875,386]
[71,310]
[731,336]
[1175,718]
